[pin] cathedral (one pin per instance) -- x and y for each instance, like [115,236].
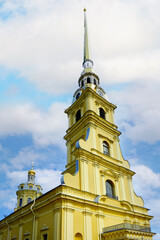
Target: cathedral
[96,199]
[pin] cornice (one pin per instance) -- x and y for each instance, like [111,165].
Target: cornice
[104,162]
[91,118]
[63,193]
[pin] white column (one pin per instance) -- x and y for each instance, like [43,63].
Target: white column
[87,225]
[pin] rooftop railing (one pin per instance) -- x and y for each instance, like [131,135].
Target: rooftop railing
[127,226]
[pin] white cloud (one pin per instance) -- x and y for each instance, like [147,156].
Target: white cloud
[8,199]
[46,127]
[138,111]
[14,178]
[24,158]
[147,184]
[146,180]
[157,236]
[47,178]
[43,40]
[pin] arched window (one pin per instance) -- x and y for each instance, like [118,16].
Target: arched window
[102,113]
[94,81]
[45,236]
[78,236]
[78,95]
[105,148]
[20,202]
[109,189]
[78,115]
[29,200]
[88,80]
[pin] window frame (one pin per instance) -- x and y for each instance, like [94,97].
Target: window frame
[102,113]
[110,189]
[88,80]
[78,115]
[106,148]
[20,202]
[29,200]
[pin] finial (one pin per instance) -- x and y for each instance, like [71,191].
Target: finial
[32,165]
[84,10]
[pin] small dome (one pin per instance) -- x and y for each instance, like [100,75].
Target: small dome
[31,172]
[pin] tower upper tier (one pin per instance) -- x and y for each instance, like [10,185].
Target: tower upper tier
[88,76]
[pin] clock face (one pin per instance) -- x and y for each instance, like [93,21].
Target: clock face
[100,93]
[88,64]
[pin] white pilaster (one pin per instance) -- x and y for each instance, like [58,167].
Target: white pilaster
[87,225]
[57,222]
[68,223]
[103,184]
[84,175]
[96,178]
[100,224]
[131,189]
[116,188]
[123,191]
[20,231]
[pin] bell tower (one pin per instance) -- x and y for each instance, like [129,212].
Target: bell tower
[92,138]
[95,165]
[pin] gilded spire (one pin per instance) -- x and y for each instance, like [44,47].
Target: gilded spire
[87,63]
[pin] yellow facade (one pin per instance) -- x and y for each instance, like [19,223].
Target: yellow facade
[95,200]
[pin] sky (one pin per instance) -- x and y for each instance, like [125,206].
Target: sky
[41,54]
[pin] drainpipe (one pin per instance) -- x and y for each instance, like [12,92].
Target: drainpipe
[33,232]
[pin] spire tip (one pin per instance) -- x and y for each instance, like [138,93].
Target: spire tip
[84,10]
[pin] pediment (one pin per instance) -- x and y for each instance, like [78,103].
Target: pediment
[109,172]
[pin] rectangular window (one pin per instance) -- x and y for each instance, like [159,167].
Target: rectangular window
[45,236]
